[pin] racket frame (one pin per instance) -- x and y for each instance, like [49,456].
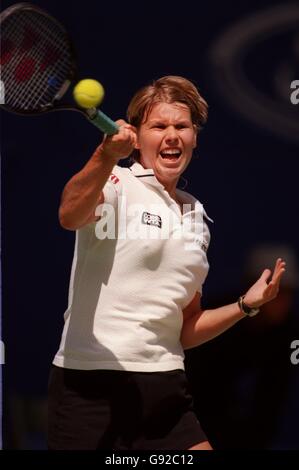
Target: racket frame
[95,116]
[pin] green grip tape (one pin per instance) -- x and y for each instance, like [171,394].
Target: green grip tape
[104,123]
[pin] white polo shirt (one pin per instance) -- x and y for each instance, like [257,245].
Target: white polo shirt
[133,273]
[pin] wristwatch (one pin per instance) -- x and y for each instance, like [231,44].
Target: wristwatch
[248,311]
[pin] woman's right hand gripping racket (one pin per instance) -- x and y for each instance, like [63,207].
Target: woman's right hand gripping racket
[38,65]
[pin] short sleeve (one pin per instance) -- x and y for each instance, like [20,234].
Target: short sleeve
[112,191]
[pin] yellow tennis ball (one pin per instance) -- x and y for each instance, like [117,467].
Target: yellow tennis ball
[88,93]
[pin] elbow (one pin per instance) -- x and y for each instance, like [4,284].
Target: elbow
[185,342]
[65,220]
[69,221]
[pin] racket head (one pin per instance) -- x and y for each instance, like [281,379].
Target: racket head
[37,60]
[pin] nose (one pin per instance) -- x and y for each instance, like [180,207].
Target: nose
[171,136]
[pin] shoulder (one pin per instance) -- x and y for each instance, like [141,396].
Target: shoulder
[120,173]
[119,177]
[117,174]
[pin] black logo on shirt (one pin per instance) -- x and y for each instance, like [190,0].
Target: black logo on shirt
[151,219]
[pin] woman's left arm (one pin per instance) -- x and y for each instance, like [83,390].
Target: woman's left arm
[200,325]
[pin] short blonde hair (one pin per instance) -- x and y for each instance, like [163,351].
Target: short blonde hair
[168,89]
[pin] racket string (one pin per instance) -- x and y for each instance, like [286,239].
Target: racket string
[31,79]
[40,80]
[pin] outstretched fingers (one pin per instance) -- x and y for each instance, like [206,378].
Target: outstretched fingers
[278,271]
[273,286]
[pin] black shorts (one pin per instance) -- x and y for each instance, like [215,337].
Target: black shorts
[121,410]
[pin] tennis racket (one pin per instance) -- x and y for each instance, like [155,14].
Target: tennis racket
[38,65]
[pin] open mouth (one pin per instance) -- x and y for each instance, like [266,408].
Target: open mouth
[171,154]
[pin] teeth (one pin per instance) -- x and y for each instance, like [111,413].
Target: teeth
[171,153]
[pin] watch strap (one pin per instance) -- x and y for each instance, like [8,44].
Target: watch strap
[248,311]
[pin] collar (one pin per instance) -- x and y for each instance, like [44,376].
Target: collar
[146,174]
[138,170]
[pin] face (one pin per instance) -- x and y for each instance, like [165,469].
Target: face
[166,141]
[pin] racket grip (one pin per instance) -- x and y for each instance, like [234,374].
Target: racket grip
[104,123]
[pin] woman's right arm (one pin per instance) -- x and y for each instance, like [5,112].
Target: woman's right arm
[84,191]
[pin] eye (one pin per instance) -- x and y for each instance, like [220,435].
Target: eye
[182,125]
[158,126]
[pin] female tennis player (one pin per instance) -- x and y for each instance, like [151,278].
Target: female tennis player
[140,261]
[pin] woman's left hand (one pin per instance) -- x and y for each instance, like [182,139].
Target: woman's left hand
[264,290]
